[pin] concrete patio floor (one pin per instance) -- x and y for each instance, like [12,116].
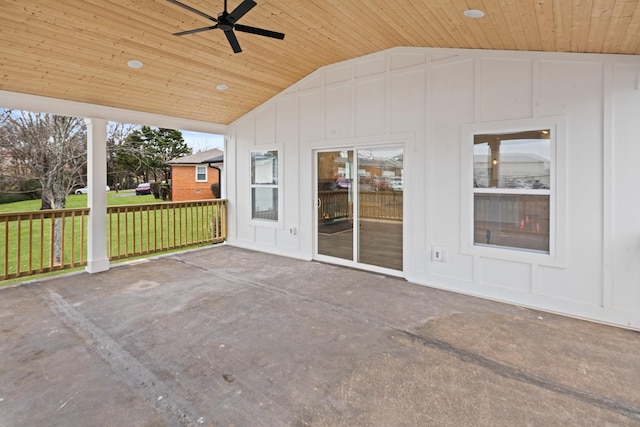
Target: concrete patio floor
[229,337]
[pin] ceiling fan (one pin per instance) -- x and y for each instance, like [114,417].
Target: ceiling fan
[227,22]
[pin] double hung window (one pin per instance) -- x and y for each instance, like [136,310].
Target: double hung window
[201,174]
[264,185]
[513,189]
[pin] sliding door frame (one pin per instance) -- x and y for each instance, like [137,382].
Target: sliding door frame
[391,144]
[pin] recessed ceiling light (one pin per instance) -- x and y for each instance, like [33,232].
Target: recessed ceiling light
[134,63]
[473,13]
[222,87]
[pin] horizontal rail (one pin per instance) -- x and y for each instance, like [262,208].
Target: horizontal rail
[336,204]
[136,230]
[50,240]
[42,241]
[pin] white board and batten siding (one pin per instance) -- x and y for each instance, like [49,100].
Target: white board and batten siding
[430,100]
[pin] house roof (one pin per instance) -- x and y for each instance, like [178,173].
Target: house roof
[209,156]
[78,50]
[216,159]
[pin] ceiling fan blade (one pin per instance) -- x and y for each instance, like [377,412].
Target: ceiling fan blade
[191,9]
[259,31]
[233,41]
[197,30]
[241,10]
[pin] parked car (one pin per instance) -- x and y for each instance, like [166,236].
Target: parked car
[396,183]
[143,188]
[343,182]
[85,190]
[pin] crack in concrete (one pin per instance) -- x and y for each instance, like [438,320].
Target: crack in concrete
[132,372]
[521,375]
[467,356]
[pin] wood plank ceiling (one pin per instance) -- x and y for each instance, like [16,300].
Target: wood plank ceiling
[78,49]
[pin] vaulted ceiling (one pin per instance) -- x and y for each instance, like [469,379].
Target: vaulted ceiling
[78,49]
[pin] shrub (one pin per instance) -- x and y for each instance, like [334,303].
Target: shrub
[165,191]
[15,197]
[155,190]
[25,190]
[215,189]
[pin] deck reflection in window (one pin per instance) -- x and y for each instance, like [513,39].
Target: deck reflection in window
[512,189]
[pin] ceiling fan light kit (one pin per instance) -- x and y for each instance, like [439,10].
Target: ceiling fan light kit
[227,22]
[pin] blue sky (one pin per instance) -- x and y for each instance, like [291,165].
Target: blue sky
[203,141]
[197,141]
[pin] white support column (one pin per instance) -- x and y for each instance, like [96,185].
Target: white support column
[97,259]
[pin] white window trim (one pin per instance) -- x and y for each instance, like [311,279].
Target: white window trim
[279,223]
[557,197]
[206,173]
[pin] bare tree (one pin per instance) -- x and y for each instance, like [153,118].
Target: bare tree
[117,134]
[50,148]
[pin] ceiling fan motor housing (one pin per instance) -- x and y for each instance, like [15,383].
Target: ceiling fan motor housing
[227,22]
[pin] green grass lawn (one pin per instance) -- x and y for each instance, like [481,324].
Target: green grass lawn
[134,234]
[124,197]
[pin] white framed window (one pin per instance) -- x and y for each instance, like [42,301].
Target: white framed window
[512,189]
[201,173]
[265,185]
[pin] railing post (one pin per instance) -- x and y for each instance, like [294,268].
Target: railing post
[97,259]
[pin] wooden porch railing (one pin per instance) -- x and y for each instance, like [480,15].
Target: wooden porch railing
[385,205]
[136,230]
[29,244]
[512,220]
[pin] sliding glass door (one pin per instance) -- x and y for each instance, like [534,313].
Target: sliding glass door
[335,204]
[359,205]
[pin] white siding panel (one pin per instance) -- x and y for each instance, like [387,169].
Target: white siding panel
[407,101]
[506,89]
[338,75]
[452,103]
[338,112]
[569,87]
[266,124]
[287,120]
[245,139]
[505,274]
[576,90]
[626,189]
[569,285]
[452,95]
[265,236]
[371,67]
[243,202]
[405,60]
[371,107]
[287,134]
[311,116]
[456,266]
[313,81]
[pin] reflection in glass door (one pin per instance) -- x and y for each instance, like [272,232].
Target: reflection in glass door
[335,204]
[380,198]
[360,205]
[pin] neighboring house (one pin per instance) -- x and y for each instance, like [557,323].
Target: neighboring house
[192,176]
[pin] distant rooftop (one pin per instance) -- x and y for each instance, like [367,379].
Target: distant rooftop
[209,156]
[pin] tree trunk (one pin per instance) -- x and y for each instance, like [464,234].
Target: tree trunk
[57,242]
[46,200]
[58,256]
